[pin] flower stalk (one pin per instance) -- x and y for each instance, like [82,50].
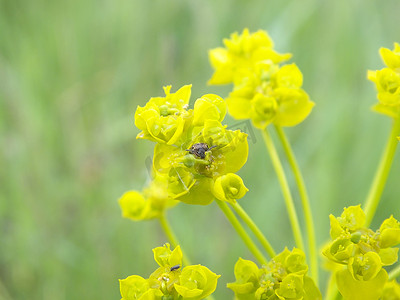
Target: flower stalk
[382,173]
[242,233]
[172,237]
[304,201]
[285,189]
[254,228]
[394,273]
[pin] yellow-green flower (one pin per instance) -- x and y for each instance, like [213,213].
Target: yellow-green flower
[196,282]
[387,81]
[135,287]
[210,152]
[389,233]
[391,58]
[270,95]
[193,149]
[209,106]
[263,91]
[171,280]
[284,277]
[229,188]
[247,278]
[149,204]
[170,263]
[241,52]
[364,251]
[163,119]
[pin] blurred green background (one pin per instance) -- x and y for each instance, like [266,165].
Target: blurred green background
[71,75]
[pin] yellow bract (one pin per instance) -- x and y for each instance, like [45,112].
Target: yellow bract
[263,91]
[229,187]
[171,280]
[387,81]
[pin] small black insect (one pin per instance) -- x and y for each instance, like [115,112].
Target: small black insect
[199,150]
[176,267]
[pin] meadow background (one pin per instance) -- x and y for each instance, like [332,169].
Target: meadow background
[71,75]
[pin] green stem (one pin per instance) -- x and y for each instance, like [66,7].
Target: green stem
[242,233]
[394,273]
[254,228]
[174,242]
[304,201]
[285,189]
[382,173]
[172,237]
[331,290]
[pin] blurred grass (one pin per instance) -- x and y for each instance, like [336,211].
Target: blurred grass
[71,76]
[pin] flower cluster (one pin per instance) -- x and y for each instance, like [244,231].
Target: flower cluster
[148,204]
[387,82]
[284,277]
[263,91]
[171,280]
[195,154]
[363,251]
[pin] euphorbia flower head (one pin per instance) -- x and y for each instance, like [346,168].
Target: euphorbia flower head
[364,251]
[171,280]
[241,52]
[263,91]
[284,277]
[193,158]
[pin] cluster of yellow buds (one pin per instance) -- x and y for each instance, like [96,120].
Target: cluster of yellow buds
[171,280]
[284,277]
[195,155]
[263,91]
[363,251]
[387,82]
[148,204]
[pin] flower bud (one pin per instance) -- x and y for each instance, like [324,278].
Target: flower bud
[355,237]
[133,205]
[229,187]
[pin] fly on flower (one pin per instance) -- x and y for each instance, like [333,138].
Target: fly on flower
[176,267]
[200,150]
